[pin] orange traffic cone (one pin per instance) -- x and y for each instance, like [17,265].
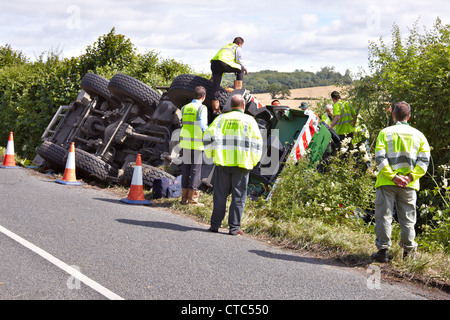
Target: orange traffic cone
[9,161]
[136,194]
[69,176]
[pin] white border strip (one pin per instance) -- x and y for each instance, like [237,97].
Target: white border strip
[73,272]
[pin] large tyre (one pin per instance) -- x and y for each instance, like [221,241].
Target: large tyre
[123,86]
[90,166]
[181,91]
[96,85]
[53,154]
[149,174]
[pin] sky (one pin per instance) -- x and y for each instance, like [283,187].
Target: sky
[281,35]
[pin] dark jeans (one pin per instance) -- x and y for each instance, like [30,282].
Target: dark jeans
[228,179]
[218,68]
[191,169]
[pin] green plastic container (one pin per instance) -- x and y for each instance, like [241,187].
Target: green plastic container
[287,126]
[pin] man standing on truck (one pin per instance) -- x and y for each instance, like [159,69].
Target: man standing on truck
[194,123]
[228,59]
[235,143]
[344,117]
[402,154]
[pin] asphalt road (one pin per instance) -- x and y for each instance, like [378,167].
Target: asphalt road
[130,252]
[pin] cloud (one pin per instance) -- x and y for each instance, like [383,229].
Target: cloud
[284,35]
[309,20]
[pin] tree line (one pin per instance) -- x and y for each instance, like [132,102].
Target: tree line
[271,80]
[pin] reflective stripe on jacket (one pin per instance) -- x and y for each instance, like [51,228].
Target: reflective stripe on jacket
[403,150]
[346,113]
[228,55]
[234,140]
[191,135]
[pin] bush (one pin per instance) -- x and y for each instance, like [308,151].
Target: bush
[29,96]
[434,214]
[345,191]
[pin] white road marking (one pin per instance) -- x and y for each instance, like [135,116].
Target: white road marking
[70,270]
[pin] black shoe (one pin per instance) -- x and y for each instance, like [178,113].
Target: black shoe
[381,256]
[212,230]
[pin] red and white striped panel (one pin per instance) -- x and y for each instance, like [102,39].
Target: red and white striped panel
[259,104]
[301,144]
[305,136]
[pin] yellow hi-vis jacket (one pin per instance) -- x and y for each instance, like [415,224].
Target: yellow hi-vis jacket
[346,113]
[228,55]
[403,150]
[191,135]
[234,140]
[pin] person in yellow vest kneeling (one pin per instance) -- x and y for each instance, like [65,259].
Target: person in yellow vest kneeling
[194,123]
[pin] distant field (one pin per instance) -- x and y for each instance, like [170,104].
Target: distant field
[315,92]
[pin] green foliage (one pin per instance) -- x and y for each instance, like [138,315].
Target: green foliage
[434,213]
[340,194]
[281,90]
[110,49]
[31,92]
[9,57]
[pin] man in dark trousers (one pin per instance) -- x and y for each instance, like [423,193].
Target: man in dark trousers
[234,142]
[228,59]
[194,123]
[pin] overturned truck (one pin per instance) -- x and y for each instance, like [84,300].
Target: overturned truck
[111,121]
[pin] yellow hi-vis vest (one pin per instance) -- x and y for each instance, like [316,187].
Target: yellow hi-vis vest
[346,113]
[403,150]
[191,135]
[325,118]
[228,55]
[234,140]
